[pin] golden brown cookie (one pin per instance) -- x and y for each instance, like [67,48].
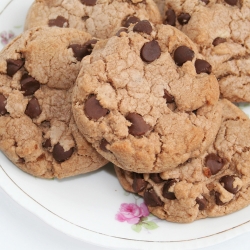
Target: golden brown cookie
[143,101]
[221,29]
[100,18]
[37,128]
[215,184]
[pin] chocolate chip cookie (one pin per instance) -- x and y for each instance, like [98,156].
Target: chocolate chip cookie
[101,18]
[37,128]
[214,184]
[221,29]
[146,99]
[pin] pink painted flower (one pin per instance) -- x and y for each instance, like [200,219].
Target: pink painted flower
[131,212]
[6,37]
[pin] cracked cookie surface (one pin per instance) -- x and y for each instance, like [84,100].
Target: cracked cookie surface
[140,102]
[100,18]
[37,128]
[221,29]
[215,184]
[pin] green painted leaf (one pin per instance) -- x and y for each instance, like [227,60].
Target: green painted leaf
[150,225]
[126,193]
[144,218]
[137,228]
[18,27]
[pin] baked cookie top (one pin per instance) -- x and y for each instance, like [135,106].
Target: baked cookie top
[221,29]
[146,99]
[37,128]
[100,18]
[214,184]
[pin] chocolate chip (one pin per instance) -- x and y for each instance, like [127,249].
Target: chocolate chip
[13,66]
[33,109]
[202,66]
[202,202]
[21,160]
[150,51]
[219,40]
[151,198]
[217,199]
[231,2]
[93,109]
[103,145]
[60,21]
[169,98]
[139,126]
[139,183]
[183,18]
[170,17]
[166,187]
[156,178]
[205,1]
[3,102]
[214,163]
[143,26]
[29,85]
[82,50]
[130,20]
[183,54]
[227,182]
[60,155]
[47,143]
[118,33]
[89,2]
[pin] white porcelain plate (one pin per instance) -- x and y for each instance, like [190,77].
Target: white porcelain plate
[85,207]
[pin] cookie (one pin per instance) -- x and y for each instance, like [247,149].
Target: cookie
[37,128]
[161,6]
[140,102]
[99,18]
[214,184]
[221,30]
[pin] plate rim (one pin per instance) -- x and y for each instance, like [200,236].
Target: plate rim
[89,236]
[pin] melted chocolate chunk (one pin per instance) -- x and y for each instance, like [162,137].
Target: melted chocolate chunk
[118,33]
[217,199]
[166,187]
[202,202]
[150,51]
[231,2]
[156,178]
[89,2]
[130,20]
[3,102]
[219,40]
[47,144]
[60,21]
[60,155]
[139,126]
[183,54]
[143,26]
[205,1]
[170,17]
[139,183]
[13,66]
[33,109]
[93,109]
[82,50]
[183,18]
[169,98]
[29,85]
[151,199]
[202,66]
[227,182]
[103,145]
[214,163]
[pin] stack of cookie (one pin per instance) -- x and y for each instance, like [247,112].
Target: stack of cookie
[115,81]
